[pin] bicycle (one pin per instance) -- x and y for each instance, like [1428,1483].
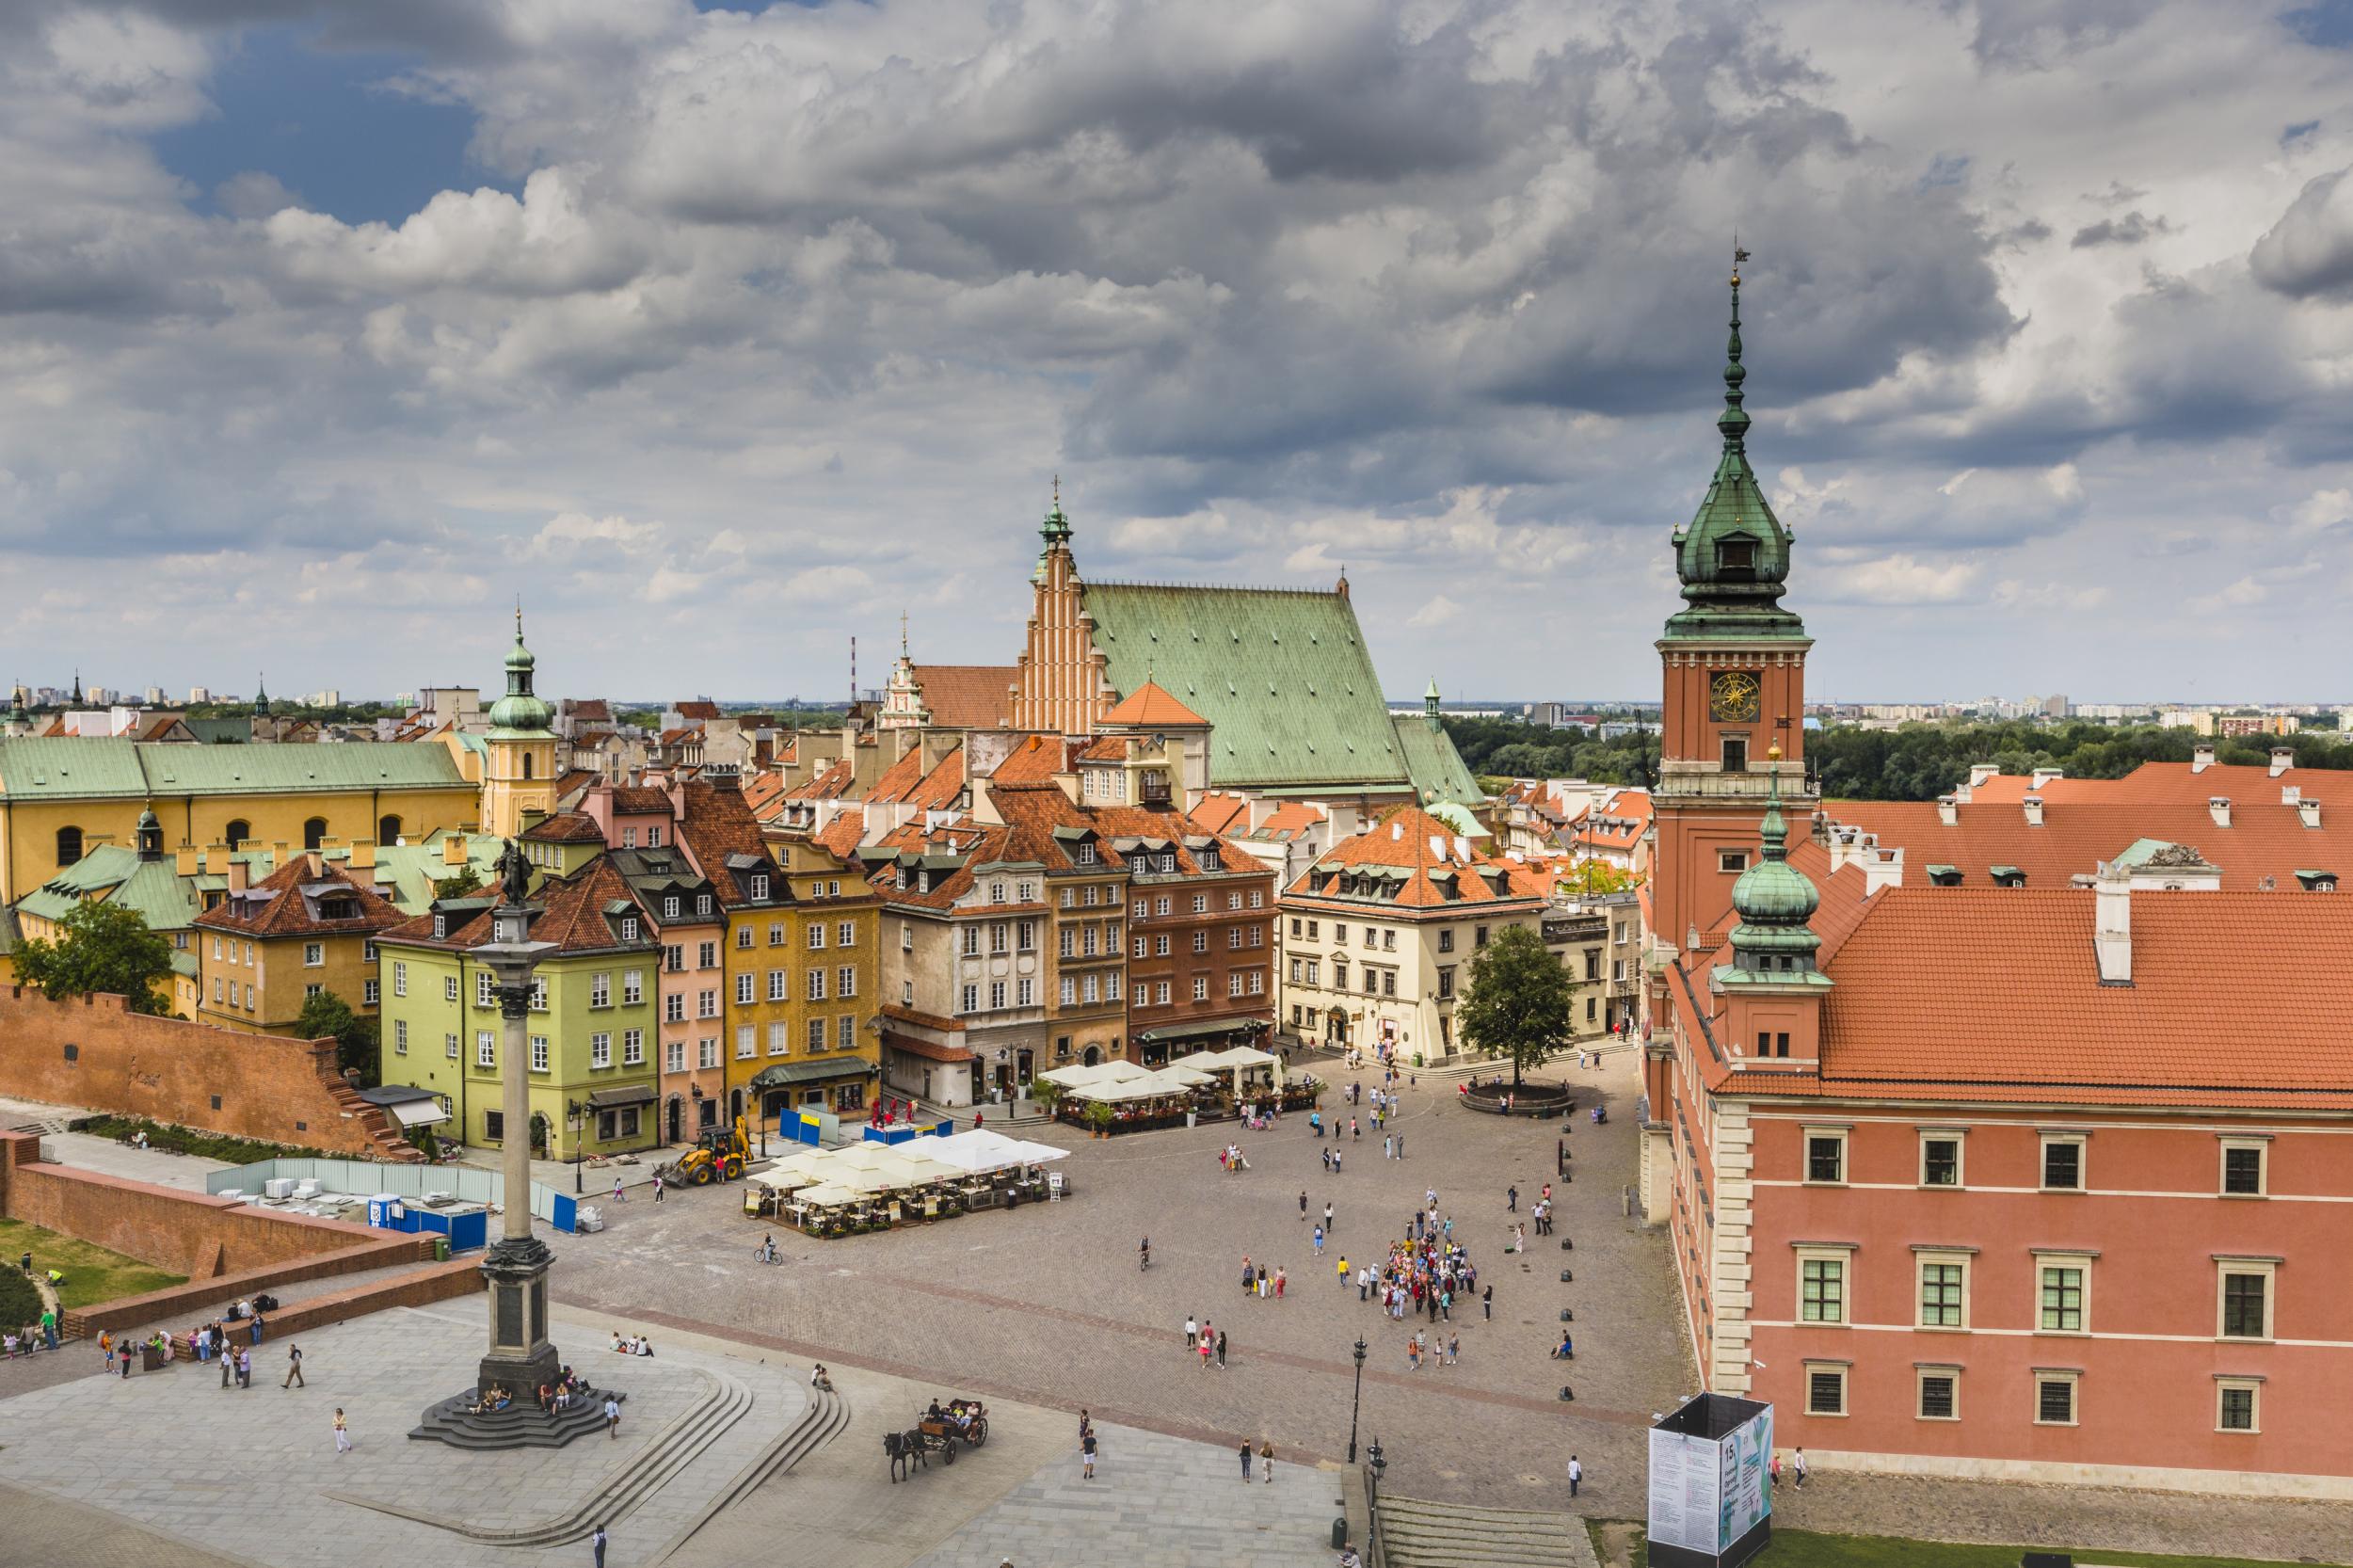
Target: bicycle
[766,1253]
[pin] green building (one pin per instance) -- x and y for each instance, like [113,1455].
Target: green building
[591,1026]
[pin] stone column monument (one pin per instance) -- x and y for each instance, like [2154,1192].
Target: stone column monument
[516,1267]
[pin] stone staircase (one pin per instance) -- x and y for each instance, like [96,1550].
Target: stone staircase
[384,1141]
[828,1415]
[1416,1534]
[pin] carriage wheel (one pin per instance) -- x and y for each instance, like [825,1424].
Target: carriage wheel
[980,1431]
[947,1454]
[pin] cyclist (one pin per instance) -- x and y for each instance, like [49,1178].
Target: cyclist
[1146,1254]
[768,1248]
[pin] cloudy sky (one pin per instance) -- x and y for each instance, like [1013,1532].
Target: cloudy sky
[723,335]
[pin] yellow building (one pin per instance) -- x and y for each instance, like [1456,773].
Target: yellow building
[264,949]
[519,754]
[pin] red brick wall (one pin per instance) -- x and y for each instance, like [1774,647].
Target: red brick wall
[182,1309]
[189,1233]
[171,1070]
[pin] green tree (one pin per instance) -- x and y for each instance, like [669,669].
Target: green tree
[1518,1004]
[325,1017]
[100,947]
[1596,876]
[466,881]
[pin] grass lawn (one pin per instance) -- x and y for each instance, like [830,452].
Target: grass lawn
[1806,1549]
[92,1274]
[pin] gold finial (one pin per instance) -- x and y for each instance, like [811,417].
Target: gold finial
[1772,753]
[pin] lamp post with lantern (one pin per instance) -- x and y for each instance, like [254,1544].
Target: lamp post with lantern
[1357,1401]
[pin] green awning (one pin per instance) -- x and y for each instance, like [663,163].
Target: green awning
[1196,1029]
[786,1074]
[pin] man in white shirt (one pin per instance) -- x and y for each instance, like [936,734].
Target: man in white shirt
[1576,1475]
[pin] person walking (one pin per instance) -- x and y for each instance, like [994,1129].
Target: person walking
[1327,1159]
[1280,1280]
[228,1364]
[1772,1471]
[1798,1467]
[342,1432]
[1487,1302]
[1511,1200]
[1387,1148]
[616,1190]
[1193,1331]
[595,1541]
[1576,1475]
[1343,1270]
[612,1418]
[1221,1349]
[1318,1240]
[1336,1161]
[294,1367]
[106,1344]
[257,1328]
[1086,1456]
[1266,1459]
[1303,1206]
[659,1187]
[1208,1348]
[1327,1218]
[1454,1349]
[1248,1453]
[1354,1131]
[49,1326]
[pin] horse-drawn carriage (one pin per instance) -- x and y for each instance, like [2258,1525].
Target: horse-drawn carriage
[940,1429]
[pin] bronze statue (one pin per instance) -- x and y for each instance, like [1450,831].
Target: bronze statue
[514,874]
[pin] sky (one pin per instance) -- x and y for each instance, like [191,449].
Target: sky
[722,336]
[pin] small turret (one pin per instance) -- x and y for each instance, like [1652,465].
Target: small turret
[1429,705]
[520,710]
[1774,901]
[150,835]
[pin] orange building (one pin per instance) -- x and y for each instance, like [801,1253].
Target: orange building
[2004,1136]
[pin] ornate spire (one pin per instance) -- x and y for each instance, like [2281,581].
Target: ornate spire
[1056,528]
[1773,899]
[1734,420]
[260,695]
[520,709]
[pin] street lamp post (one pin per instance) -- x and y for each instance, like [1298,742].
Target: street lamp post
[1356,1404]
[580,1156]
[516,1267]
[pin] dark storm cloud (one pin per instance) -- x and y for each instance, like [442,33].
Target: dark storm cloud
[2131,229]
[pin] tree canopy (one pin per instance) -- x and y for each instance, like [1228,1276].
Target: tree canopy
[100,947]
[326,1016]
[1518,1004]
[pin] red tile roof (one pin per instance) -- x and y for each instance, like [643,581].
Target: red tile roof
[830,783]
[1219,812]
[289,903]
[1410,839]
[572,912]
[841,837]
[716,825]
[697,709]
[1151,707]
[565,827]
[1035,760]
[966,696]
[638,799]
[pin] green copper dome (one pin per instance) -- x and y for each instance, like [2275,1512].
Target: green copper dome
[518,710]
[1773,899]
[1733,556]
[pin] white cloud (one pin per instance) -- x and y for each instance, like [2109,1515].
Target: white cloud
[1436,611]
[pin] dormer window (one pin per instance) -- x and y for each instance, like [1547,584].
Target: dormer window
[899,879]
[629,928]
[922,881]
[441,925]
[702,904]
[1944,876]
[1086,855]
[1735,559]
[2009,876]
[760,888]
[2317,882]
[669,908]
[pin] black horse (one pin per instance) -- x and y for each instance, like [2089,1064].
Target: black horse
[906,1449]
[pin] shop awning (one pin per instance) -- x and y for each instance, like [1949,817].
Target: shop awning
[409,1107]
[784,1075]
[930,1050]
[620,1095]
[419,1113]
[1197,1029]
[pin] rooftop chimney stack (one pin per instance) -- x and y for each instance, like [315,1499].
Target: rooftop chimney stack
[2281,760]
[1980,772]
[2219,807]
[2112,924]
[2034,810]
[2044,776]
[2200,756]
[1948,810]
[2309,811]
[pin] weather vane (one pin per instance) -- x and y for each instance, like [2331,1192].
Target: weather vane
[1738,255]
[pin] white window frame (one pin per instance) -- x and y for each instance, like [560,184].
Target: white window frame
[485,1049]
[314,955]
[400,978]
[2229,1142]
[2042,1161]
[2254,1387]
[1841,1254]
[779,1037]
[1805,1155]
[2044,1258]
[400,1036]
[633,1047]
[1925,1258]
[746,1042]
[2269,1269]
[1920,1375]
[1960,1157]
[600,989]
[600,1049]
[369,994]
[2068,1375]
[1842,1371]
[540,1057]
[449,987]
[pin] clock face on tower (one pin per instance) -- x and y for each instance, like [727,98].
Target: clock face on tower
[1732,697]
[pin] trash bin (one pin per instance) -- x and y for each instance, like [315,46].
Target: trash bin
[1189,1118]
[151,1358]
[1339,1531]
[441,1249]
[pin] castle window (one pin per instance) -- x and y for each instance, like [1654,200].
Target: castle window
[526,764]
[1736,754]
[237,832]
[388,830]
[68,846]
[314,832]
[1735,559]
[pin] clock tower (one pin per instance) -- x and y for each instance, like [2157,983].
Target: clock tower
[1734,711]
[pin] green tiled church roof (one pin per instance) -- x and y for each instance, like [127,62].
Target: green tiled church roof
[153,887]
[1437,770]
[1282,675]
[69,769]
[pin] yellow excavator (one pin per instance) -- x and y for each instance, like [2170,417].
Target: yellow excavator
[719,1157]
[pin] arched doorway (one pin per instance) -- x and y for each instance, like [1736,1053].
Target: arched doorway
[1023,1061]
[677,1121]
[388,830]
[314,832]
[237,832]
[1094,1056]
[735,1105]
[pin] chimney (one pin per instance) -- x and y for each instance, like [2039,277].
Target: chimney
[2200,756]
[314,864]
[2309,811]
[1980,772]
[2112,924]
[454,849]
[2219,807]
[362,856]
[1882,868]
[2281,760]
[239,870]
[2044,776]
[188,860]
[1948,810]
[2034,810]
